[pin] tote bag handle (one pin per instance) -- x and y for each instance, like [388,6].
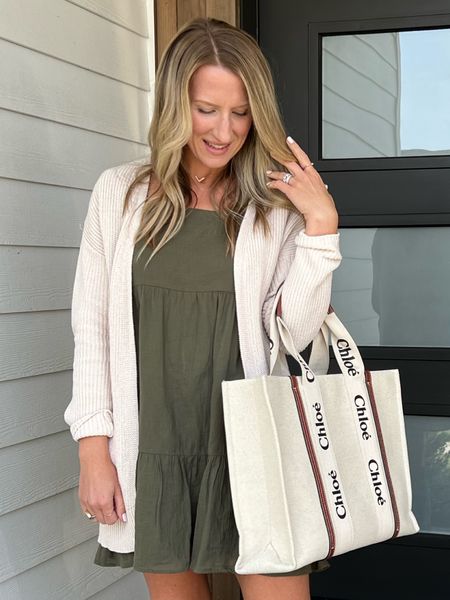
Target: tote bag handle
[319,359]
[344,348]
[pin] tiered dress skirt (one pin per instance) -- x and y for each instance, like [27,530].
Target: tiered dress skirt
[186,342]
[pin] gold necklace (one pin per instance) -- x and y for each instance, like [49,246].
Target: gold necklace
[200,179]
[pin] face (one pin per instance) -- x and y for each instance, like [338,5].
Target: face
[221,119]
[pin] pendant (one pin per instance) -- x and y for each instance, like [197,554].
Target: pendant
[200,179]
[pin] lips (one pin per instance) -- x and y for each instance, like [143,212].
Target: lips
[215,148]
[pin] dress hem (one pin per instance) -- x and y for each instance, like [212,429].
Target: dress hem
[213,570]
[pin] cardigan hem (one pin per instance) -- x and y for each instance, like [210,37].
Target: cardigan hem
[327,241]
[100,423]
[118,537]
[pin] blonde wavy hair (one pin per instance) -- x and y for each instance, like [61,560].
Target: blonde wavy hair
[208,41]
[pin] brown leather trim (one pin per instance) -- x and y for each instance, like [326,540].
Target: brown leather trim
[314,465]
[368,377]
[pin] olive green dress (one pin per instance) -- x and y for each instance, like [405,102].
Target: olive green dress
[186,342]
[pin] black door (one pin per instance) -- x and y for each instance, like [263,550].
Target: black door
[364,88]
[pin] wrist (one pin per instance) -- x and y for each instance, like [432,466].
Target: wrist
[96,445]
[320,230]
[317,226]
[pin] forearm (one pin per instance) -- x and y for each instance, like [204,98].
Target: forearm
[303,278]
[96,445]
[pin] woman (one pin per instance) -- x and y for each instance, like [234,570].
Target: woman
[179,265]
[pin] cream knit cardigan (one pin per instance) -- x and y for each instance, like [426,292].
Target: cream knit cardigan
[104,397]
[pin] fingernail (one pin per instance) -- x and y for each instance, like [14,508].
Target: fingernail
[269,183]
[124,518]
[290,140]
[268,172]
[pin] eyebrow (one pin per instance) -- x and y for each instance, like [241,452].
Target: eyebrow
[216,106]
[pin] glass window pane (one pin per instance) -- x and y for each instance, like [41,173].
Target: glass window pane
[386,94]
[392,287]
[429,456]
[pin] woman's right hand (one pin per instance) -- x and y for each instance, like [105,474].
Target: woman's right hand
[99,489]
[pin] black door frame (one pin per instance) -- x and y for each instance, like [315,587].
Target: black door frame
[379,176]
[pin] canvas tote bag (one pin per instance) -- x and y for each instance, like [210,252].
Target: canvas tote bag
[318,463]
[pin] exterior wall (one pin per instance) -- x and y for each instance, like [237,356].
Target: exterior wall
[75,98]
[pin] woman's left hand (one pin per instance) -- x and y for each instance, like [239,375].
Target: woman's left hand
[307,192]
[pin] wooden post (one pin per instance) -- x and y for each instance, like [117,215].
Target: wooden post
[170,15]
[165,25]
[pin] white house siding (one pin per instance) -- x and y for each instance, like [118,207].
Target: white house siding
[361,95]
[75,98]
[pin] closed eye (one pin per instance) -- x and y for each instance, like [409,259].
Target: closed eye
[210,112]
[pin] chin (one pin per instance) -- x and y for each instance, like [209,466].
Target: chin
[215,163]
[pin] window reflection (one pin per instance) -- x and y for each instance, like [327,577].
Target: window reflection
[386,94]
[393,286]
[429,456]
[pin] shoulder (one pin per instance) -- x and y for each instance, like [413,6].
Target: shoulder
[113,183]
[105,211]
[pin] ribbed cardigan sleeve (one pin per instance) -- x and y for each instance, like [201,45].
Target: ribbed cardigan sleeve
[303,277]
[90,409]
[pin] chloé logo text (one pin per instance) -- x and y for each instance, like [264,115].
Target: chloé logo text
[363,419]
[320,427]
[377,485]
[341,511]
[308,373]
[345,352]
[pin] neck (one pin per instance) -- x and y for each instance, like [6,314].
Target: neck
[203,179]
[200,176]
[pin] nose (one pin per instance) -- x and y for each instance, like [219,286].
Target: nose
[223,130]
